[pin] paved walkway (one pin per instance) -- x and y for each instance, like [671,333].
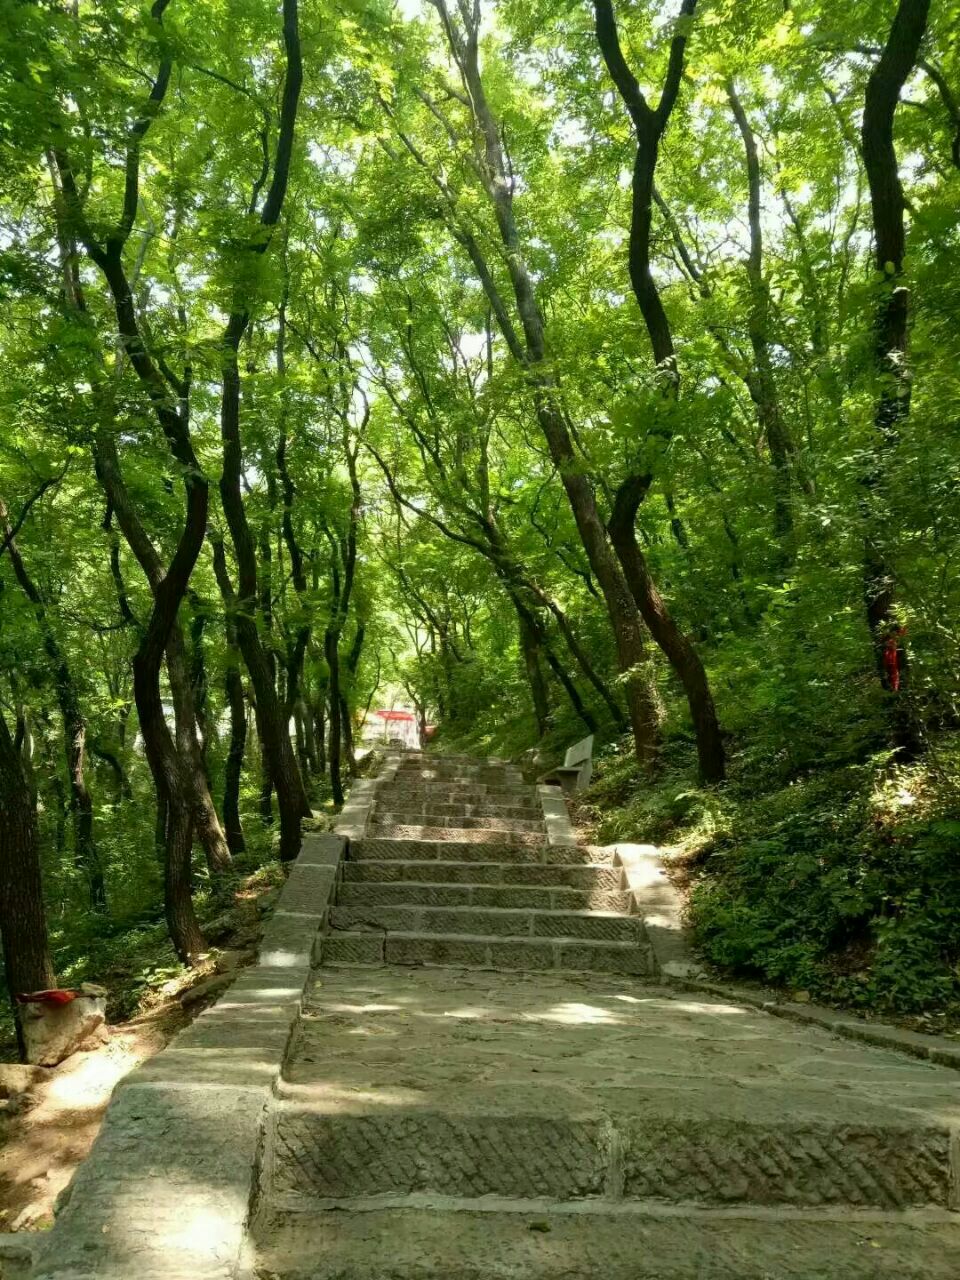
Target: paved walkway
[486,1082]
[459,1058]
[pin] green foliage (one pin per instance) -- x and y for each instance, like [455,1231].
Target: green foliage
[838,880]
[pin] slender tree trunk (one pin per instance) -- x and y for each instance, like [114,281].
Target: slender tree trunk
[566,680]
[346,728]
[309,736]
[273,723]
[74,728]
[580,657]
[161,816]
[23,924]
[890,353]
[206,824]
[280,765]
[169,588]
[761,382]
[530,649]
[238,739]
[320,732]
[303,762]
[538,643]
[678,649]
[649,125]
[530,353]
[60,837]
[198,683]
[331,648]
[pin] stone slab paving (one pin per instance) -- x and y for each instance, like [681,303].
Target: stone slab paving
[469,1083]
[453,1124]
[564,1243]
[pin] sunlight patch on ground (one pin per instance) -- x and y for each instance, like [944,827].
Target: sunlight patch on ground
[573,1014]
[202,1231]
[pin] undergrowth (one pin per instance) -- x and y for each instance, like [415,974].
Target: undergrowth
[840,882]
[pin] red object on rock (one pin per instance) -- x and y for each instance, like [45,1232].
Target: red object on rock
[56,996]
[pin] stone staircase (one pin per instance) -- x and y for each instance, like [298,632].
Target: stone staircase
[456,869]
[486,1082]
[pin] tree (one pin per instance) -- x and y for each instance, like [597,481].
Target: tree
[23,925]
[650,124]
[892,322]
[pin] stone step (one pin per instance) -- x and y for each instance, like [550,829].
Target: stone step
[460,835]
[379,845]
[460,777]
[467,795]
[461,951]
[592,877]
[585,1087]
[530,1241]
[439,894]
[453,758]
[510,922]
[461,822]
[421,809]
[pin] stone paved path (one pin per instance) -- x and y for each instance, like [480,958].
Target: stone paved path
[486,1082]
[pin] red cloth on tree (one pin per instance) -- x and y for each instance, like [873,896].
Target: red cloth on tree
[891,659]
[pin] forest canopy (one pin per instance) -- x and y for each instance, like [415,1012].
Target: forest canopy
[559,368]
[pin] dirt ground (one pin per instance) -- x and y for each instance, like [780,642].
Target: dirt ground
[47,1129]
[50,1116]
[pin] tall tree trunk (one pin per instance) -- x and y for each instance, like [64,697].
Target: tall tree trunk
[206,824]
[580,656]
[74,727]
[539,643]
[331,648]
[649,125]
[530,353]
[280,766]
[172,416]
[761,382]
[299,730]
[273,723]
[23,923]
[884,87]
[530,649]
[346,729]
[198,680]
[677,647]
[320,731]
[309,737]
[238,739]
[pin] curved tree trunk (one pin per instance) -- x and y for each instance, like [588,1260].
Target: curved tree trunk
[649,125]
[273,722]
[679,650]
[530,353]
[172,416]
[761,382]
